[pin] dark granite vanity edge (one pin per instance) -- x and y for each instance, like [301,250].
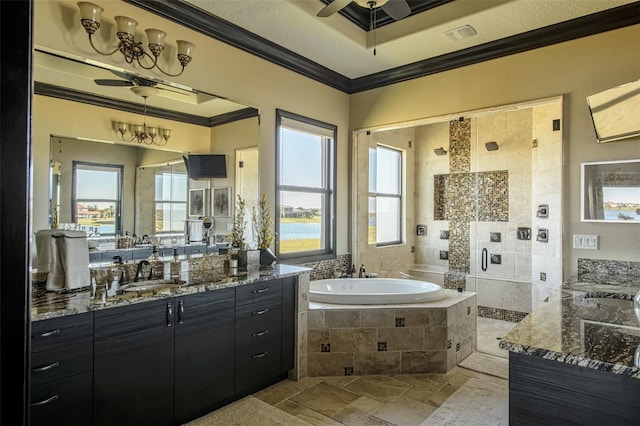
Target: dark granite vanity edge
[550,331]
[78,302]
[620,369]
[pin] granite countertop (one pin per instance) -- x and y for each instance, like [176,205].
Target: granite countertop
[590,325]
[46,304]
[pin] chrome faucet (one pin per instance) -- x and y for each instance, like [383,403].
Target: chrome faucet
[138,276]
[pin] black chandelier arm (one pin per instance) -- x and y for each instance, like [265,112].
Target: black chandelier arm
[118,48]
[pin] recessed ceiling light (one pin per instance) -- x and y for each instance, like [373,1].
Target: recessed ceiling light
[460,33]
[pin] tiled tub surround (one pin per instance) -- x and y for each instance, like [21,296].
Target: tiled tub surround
[391,339]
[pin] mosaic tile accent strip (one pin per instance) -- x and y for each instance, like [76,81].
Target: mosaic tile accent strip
[460,145]
[501,314]
[399,322]
[325,269]
[348,371]
[459,246]
[440,195]
[382,346]
[454,280]
[455,197]
[493,196]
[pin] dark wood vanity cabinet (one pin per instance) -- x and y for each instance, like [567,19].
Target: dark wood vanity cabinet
[265,333]
[61,370]
[160,362]
[203,365]
[133,364]
[163,362]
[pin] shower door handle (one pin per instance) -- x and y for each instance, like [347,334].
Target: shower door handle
[485,258]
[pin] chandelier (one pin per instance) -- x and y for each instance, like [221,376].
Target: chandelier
[131,50]
[142,133]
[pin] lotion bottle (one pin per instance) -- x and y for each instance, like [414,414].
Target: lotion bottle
[175,267]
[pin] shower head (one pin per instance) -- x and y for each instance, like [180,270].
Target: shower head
[491,146]
[440,151]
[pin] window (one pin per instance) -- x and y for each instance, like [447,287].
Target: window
[97,197]
[385,196]
[305,196]
[170,199]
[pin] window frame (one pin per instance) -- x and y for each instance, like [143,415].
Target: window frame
[74,200]
[399,196]
[171,201]
[329,190]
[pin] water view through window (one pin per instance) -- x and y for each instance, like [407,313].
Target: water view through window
[305,178]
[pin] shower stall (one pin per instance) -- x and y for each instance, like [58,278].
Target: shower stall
[482,204]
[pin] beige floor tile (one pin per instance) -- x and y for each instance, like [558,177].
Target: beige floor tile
[441,396]
[381,388]
[432,382]
[306,414]
[325,398]
[366,404]
[353,417]
[285,390]
[340,381]
[404,411]
[419,394]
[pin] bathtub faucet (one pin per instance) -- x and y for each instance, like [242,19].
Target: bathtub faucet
[362,272]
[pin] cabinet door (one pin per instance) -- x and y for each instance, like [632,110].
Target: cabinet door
[204,351]
[133,364]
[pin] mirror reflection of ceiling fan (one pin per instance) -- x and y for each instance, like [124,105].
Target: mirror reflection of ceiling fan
[138,85]
[397,9]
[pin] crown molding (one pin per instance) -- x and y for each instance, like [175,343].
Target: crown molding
[53,91]
[219,29]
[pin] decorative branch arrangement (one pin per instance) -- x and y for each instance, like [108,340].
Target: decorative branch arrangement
[261,223]
[236,237]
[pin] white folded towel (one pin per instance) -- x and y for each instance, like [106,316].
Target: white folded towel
[43,248]
[69,267]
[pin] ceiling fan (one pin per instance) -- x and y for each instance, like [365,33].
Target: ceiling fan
[397,9]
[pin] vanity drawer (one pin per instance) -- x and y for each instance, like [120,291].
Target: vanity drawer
[257,365]
[195,249]
[258,293]
[65,402]
[259,329]
[61,347]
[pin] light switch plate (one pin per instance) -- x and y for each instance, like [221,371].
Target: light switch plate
[586,242]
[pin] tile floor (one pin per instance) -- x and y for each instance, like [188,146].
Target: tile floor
[405,400]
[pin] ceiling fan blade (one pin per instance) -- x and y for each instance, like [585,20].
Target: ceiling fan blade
[115,83]
[397,9]
[333,7]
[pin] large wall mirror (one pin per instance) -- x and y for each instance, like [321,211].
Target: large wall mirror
[611,191]
[85,172]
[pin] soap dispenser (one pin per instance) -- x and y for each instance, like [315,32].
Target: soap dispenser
[175,267]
